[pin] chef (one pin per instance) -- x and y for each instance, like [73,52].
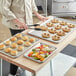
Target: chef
[16,15]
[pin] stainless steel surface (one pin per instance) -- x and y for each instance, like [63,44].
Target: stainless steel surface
[26,54]
[0,67]
[39,33]
[63,8]
[62,64]
[51,68]
[63,0]
[20,53]
[60,7]
[35,29]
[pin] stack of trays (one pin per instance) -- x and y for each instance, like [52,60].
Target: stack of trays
[17,45]
[55,29]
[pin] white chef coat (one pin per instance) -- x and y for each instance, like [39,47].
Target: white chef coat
[17,9]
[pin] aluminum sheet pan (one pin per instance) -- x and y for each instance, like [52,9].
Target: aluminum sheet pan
[38,61]
[19,53]
[39,33]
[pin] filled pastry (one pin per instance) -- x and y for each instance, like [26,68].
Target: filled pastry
[19,35]
[8,42]
[60,33]
[45,35]
[71,25]
[52,30]
[14,45]
[26,44]
[8,50]
[20,48]
[13,39]
[55,37]
[20,42]
[32,40]
[54,21]
[14,52]
[25,38]
[44,28]
[63,23]
[58,27]
[66,29]
[50,24]
[2,46]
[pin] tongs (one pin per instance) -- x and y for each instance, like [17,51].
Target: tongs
[34,25]
[34,28]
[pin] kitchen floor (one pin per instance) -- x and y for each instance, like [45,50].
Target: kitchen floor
[5,34]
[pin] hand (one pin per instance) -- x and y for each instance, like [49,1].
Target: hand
[23,26]
[42,18]
[20,24]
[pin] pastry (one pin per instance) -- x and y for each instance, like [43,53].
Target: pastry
[46,35]
[20,48]
[25,38]
[27,44]
[8,50]
[32,40]
[14,45]
[58,27]
[44,28]
[66,29]
[61,33]
[63,23]
[37,26]
[52,30]
[50,24]
[55,37]
[8,42]
[2,46]
[20,42]
[54,21]
[19,35]
[13,39]
[13,52]
[71,25]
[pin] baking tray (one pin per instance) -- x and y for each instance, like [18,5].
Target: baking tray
[39,33]
[38,61]
[25,48]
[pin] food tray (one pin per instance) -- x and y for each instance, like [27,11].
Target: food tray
[19,53]
[39,33]
[38,61]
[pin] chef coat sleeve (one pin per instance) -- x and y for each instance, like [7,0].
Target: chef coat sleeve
[34,7]
[6,10]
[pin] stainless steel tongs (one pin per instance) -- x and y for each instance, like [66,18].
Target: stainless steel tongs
[34,28]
